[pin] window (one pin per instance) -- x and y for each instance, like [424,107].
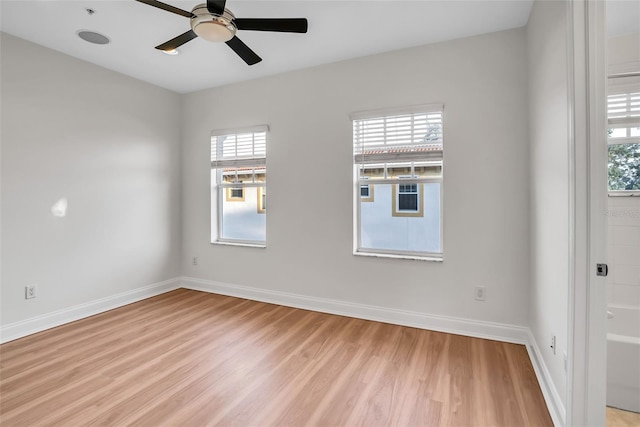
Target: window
[235,194]
[366,192]
[238,186]
[407,200]
[623,114]
[400,154]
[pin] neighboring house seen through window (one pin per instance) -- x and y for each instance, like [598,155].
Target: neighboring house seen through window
[238,186]
[399,154]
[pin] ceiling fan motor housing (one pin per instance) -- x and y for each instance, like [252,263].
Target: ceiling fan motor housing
[212,27]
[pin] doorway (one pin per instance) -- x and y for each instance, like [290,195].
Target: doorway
[623,213]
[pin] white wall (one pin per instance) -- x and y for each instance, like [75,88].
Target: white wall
[482,83]
[549,178]
[107,143]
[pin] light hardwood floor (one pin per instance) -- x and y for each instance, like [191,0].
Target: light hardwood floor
[619,418]
[187,358]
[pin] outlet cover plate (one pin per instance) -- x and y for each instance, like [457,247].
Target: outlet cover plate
[30,291]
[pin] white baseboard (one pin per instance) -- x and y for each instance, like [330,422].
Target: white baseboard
[452,325]
[549,391]
[30,326]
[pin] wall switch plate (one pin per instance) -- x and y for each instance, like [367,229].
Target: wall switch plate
[480,293]
[30,291]
[194,260]
[553,344]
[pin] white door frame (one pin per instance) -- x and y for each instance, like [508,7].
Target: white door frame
[586,370]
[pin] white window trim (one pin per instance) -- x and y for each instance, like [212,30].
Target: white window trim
[245,243]
[378,253]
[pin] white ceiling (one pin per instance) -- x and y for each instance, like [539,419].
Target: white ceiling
[338,30]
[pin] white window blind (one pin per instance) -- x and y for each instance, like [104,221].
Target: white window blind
[623,113]
[239,149]
[398,137]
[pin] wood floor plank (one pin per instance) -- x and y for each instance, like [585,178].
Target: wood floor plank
[193,359]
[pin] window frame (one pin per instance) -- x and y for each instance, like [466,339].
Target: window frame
[358,249]
[222,190]
[629,86]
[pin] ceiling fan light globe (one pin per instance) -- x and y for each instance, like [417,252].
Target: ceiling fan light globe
[213,27]
[213,31]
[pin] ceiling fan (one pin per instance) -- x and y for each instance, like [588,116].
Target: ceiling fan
[213,22]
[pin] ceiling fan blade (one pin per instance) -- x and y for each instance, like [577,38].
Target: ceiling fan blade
[166,7]
[243,51]
[285,25]
[216,6]
[177,41]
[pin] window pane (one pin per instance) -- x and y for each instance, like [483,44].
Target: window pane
[379,229]
[408,188]
[408,202]
[364,191]
[397,169]
[624,167]
[243,220]
[617,133]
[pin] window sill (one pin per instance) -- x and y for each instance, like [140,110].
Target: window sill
[431,258]
[625,193]
[244,244]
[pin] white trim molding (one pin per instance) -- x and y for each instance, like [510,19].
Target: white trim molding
[550,393]
[41,323]
[452,325]
[587,327]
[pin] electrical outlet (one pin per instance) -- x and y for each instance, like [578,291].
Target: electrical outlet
[30,291]
[194,260]
[480,292]
[553,344]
